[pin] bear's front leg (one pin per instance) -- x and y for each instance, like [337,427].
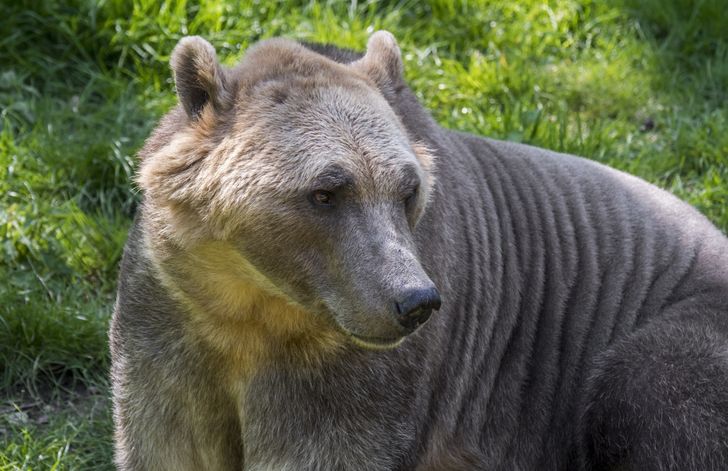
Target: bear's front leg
[658,400]
[172,420]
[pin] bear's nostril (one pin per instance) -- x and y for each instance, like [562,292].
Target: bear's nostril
[417,306]
[414,319]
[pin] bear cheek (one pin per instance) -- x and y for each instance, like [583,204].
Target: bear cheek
[287,255]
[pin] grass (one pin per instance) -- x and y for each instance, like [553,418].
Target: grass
[637,84]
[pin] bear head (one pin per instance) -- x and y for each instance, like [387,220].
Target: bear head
[290,177]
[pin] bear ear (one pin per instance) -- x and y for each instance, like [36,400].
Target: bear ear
[382,61]
[198,76]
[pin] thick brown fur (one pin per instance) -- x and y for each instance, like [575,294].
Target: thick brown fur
[292,202]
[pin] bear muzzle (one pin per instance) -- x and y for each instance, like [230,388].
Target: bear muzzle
[416,306]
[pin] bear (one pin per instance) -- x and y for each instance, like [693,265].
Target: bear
[320,277]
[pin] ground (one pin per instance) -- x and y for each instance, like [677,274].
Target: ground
[637,84]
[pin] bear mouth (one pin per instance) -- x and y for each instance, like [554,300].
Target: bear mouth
[375,343]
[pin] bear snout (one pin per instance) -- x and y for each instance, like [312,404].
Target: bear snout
[416,306]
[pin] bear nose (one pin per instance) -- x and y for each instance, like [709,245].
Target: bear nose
[416,307]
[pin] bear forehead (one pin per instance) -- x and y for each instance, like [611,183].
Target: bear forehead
[281,78]
[328,118]
[300,109]
[283,59]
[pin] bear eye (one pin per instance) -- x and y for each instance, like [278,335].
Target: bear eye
[411,196]
[322,198]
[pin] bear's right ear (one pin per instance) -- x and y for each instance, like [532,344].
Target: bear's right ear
[198,76]
[382,61]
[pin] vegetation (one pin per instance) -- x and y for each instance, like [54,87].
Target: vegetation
[637,84]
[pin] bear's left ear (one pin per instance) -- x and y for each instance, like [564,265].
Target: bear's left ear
[198,76]
[382,61]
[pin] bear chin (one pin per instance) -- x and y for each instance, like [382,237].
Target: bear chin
[375,343]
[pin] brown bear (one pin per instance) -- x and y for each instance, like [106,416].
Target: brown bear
[320,277]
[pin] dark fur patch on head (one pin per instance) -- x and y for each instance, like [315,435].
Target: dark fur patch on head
[279,96]
[343,56]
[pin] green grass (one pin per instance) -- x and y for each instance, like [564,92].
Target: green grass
[637,84]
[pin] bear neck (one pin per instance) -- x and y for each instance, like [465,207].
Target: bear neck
[237,312]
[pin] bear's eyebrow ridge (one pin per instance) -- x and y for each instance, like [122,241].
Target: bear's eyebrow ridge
[333,177]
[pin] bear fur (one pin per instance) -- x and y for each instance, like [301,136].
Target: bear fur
[290,201]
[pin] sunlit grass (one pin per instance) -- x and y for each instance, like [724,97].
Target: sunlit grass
[639,85]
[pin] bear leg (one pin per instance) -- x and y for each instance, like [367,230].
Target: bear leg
[658,399]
